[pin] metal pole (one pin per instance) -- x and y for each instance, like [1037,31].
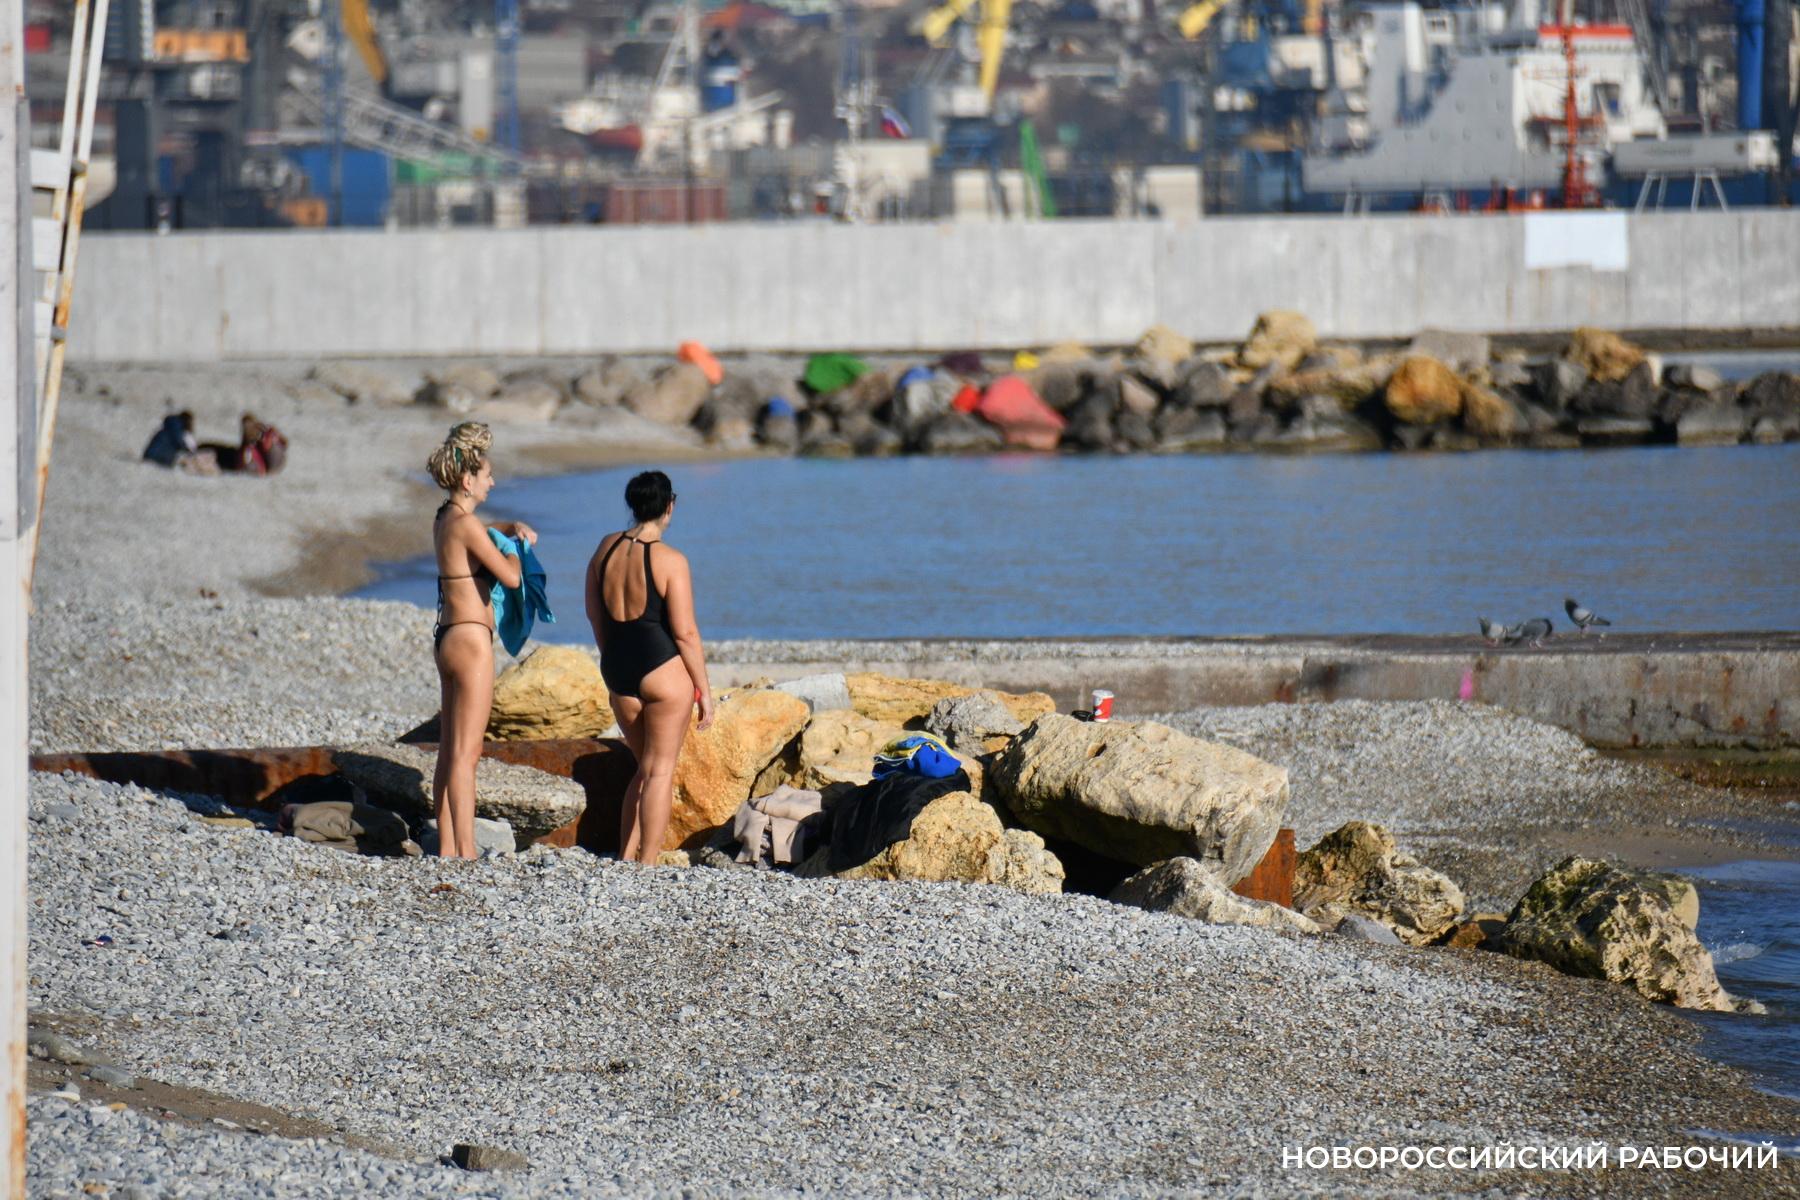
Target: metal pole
[18,443]
[334,108]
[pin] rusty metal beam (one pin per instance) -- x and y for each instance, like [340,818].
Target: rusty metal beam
[1273,878]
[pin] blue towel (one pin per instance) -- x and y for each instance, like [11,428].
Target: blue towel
[919,753]
[516,608]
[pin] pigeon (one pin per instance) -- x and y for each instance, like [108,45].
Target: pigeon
[1533,631]
[1492,632]
[1583,617]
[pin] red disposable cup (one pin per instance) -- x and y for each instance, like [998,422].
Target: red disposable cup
[1103,702]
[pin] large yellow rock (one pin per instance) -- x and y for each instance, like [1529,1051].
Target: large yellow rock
[1423,391]
[1607,356]
[839,747]
[1488,414]
[958,839]
[718,766]
[555,692]
[907,702]
[1139,792]
[1279,336]
[1164,345]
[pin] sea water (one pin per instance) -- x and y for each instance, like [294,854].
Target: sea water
[1655,538]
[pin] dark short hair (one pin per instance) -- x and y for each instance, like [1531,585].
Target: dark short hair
[648,495]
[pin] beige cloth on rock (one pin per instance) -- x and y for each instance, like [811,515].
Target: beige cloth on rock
[772,830]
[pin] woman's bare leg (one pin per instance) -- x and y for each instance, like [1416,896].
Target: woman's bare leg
[668,697]
[468,653]
[629,711]
[440,778]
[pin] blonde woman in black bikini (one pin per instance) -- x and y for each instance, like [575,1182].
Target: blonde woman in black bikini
[654,669]
[468,565]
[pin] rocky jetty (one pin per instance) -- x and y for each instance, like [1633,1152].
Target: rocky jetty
[1282,390]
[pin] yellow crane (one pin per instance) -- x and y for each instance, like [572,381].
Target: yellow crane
[1194,20]
[361,30]
[990,33]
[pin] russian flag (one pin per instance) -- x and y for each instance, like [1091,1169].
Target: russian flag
[893,124]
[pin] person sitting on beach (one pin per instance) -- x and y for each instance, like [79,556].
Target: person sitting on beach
[173,441]
[468,566]
[262,449]
[654,669]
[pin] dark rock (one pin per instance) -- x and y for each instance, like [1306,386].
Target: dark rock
[1711,424]
[607,384]
[1772,394]
[1261,429]
[113,1076]
[778,430]
[1190,428]
[1155,372]
[1559,381]
[1634,397]
[1535,419]
[1091,424]
[1134,430]
[1614,431]
[1363,929]
[1203,385]
[1675,403]
[1245,405]
[471,1156]
[870,392]
[877,441]
[958,433]
[1060,385]
[816,422]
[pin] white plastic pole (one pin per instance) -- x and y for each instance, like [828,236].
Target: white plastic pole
[18,493]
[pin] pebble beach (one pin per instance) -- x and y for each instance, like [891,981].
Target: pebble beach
[637,1031]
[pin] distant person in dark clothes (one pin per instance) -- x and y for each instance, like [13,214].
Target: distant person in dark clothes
[640,602]
[174,441]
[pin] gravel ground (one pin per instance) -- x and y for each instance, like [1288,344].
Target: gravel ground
[740,1031]
[731,1032]
[1488,797]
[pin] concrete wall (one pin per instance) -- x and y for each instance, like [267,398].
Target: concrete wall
[238,295]
[1670,691]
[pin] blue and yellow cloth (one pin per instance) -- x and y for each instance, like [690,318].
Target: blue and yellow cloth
[920,753]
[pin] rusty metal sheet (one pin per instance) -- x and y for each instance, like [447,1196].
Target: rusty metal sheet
[1273,878]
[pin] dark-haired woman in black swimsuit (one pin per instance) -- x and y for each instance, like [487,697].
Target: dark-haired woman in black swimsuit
[640,602]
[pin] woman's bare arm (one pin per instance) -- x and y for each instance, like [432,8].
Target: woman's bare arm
[595,600]
[483,552]
[678,596]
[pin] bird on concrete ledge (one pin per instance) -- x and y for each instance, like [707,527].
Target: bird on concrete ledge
[1533,631]
[1581,616]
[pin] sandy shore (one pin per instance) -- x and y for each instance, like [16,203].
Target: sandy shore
[1059,1045]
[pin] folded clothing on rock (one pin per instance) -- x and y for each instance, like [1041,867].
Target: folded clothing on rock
[868,820]
[773,830]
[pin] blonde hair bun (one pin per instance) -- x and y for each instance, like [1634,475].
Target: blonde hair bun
[464,451]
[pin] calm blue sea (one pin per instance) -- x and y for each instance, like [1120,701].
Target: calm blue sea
[1656,538]
[1750,921]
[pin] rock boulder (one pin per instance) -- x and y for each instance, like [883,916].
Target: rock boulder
[1279,337]
[1423,391]
[1605,356]
[1602,921]
[908,702]
[1187,888]
[363,384]
[554,692]
[973,724]
[1356,870]
[673,396]
[1139,792]
[718,766]
[399,777]
[958,839]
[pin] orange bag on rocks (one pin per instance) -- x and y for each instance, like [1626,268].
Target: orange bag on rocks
[700,356]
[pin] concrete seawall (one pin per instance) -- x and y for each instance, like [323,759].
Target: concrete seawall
[211,297]
[1630,690]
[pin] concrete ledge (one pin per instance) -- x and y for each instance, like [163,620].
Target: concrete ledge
[1626,690]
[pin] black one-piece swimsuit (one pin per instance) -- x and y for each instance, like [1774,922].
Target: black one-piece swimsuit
[636,647]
